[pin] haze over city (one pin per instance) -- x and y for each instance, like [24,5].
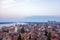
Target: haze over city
[15,10]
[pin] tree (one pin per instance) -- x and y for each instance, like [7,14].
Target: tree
[29,37]
[22,30]
[19,37]
[46,33]
[49,36]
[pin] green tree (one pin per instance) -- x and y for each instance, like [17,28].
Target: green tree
[19,37]
[22,30]
[49,36]
[29,37]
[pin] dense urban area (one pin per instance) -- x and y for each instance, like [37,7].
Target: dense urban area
[42,31]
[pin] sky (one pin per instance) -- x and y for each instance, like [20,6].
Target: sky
[17,9]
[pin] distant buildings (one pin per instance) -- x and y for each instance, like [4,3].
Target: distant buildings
[33,31]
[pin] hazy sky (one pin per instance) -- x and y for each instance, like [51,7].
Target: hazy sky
[23,8]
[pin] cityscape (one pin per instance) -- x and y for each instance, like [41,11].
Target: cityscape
[29,19]
[31,31]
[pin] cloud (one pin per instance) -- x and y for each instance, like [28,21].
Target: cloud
[7,3]
[22,8]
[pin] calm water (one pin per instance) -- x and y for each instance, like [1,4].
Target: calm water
[10,24]
[14,23]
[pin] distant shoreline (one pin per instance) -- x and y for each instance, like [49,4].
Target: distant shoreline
[6,22]
[25,22]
